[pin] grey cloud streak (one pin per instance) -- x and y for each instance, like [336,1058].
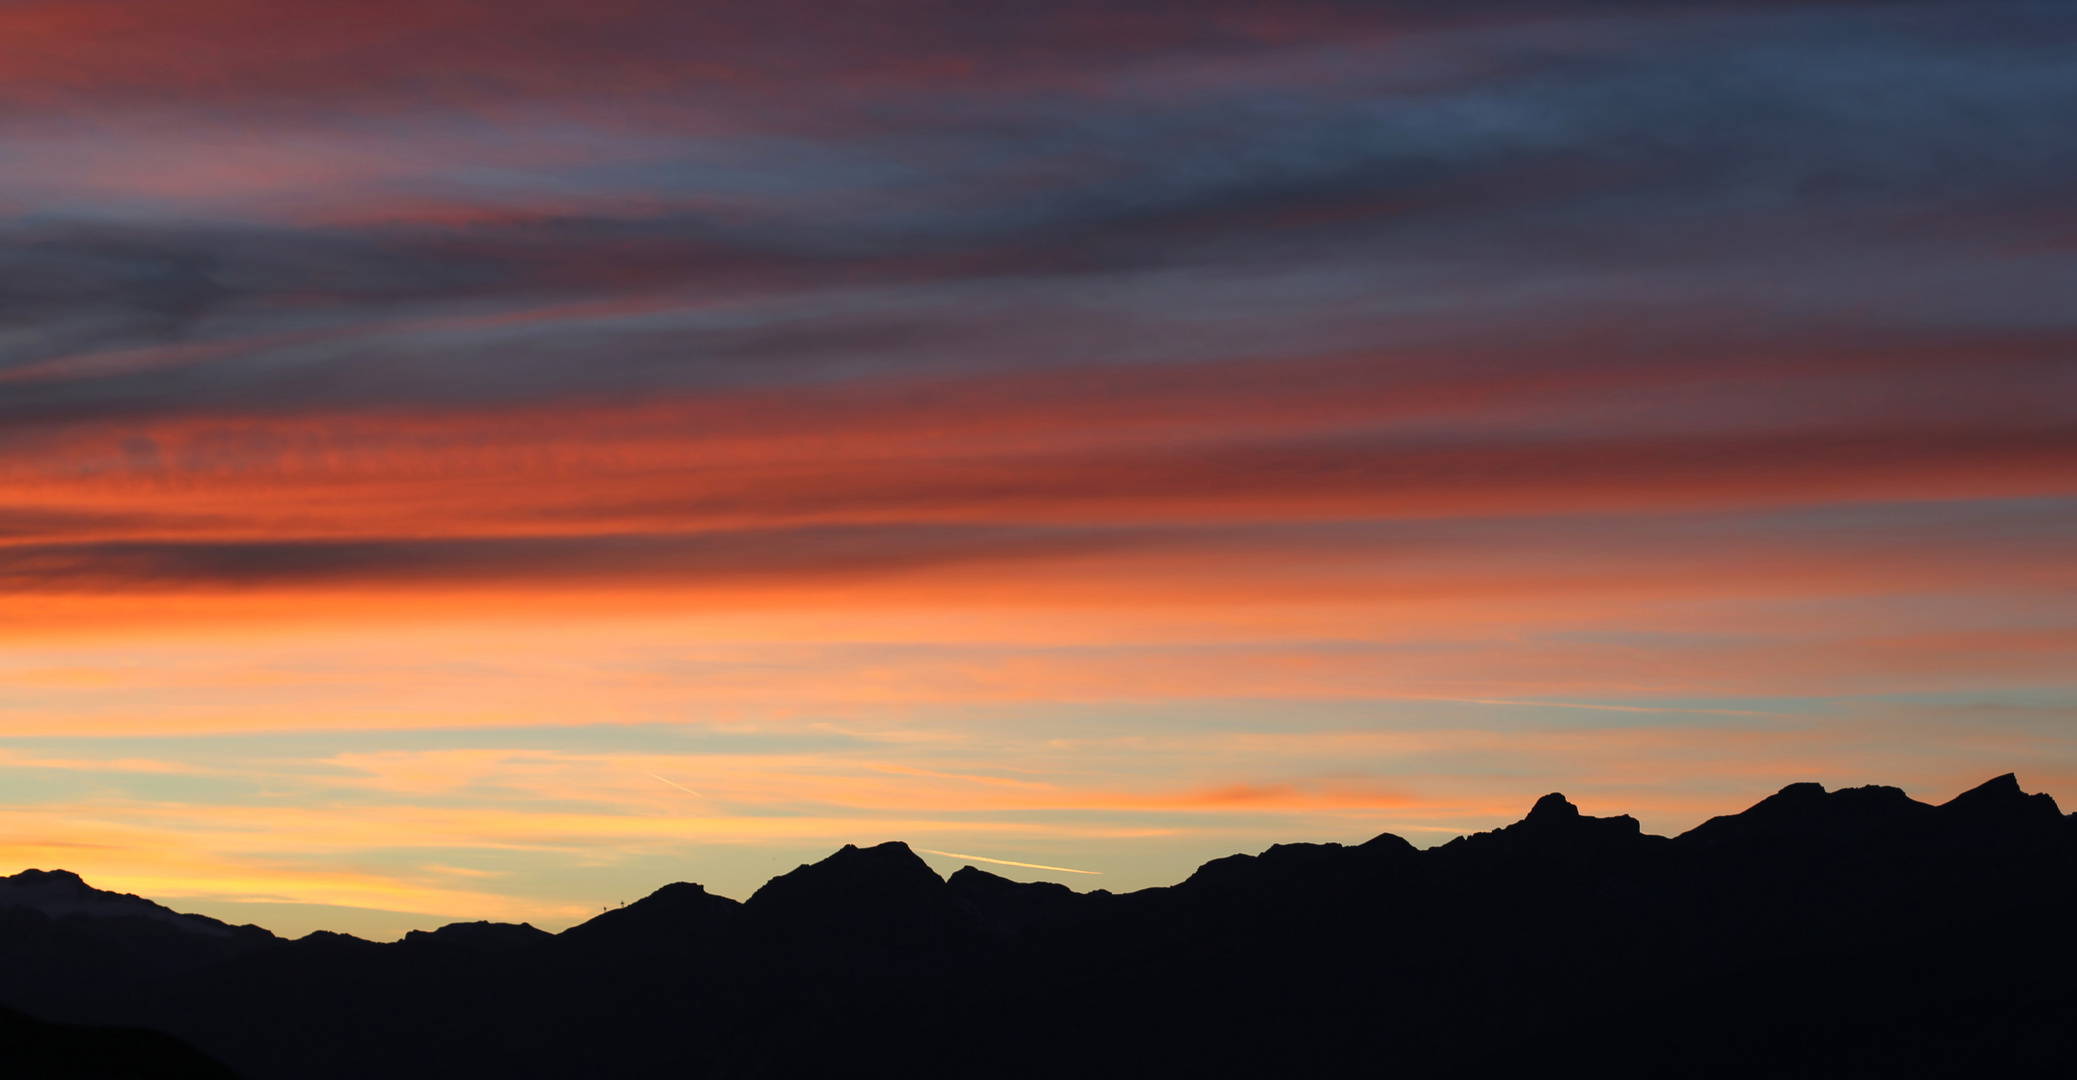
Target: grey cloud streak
[1820,166]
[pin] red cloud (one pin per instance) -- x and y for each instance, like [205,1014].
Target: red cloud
[267,53]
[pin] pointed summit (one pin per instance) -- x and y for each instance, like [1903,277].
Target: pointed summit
[1556,827]
[884,892]
[2000,803]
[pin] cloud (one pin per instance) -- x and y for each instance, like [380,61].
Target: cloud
[215,51]
[1804,163]
[1250,422]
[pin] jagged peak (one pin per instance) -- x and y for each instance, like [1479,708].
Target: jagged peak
[1553,807]
[1556,813]
[2003,788]
[888,854]
[853,871]
[2001,800]
[1554,825]
[881,894]
[893,861]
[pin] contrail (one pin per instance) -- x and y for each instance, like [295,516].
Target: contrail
[1006,862]
[1609,708]
[679,786]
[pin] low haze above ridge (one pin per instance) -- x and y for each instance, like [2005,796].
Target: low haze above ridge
[889,886]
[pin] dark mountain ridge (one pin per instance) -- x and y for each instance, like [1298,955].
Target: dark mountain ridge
[65,945]
[1849,930]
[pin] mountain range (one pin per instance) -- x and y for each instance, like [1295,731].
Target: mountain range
[1846,932]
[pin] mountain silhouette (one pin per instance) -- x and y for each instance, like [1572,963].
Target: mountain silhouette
[1801,811]
[884,899]
[1856,931]
[66,947]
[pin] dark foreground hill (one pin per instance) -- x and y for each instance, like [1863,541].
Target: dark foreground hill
[1852,932]
[31,1049]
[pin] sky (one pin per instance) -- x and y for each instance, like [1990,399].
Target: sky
[487,461]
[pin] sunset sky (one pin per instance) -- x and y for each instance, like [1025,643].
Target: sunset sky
[488,460]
